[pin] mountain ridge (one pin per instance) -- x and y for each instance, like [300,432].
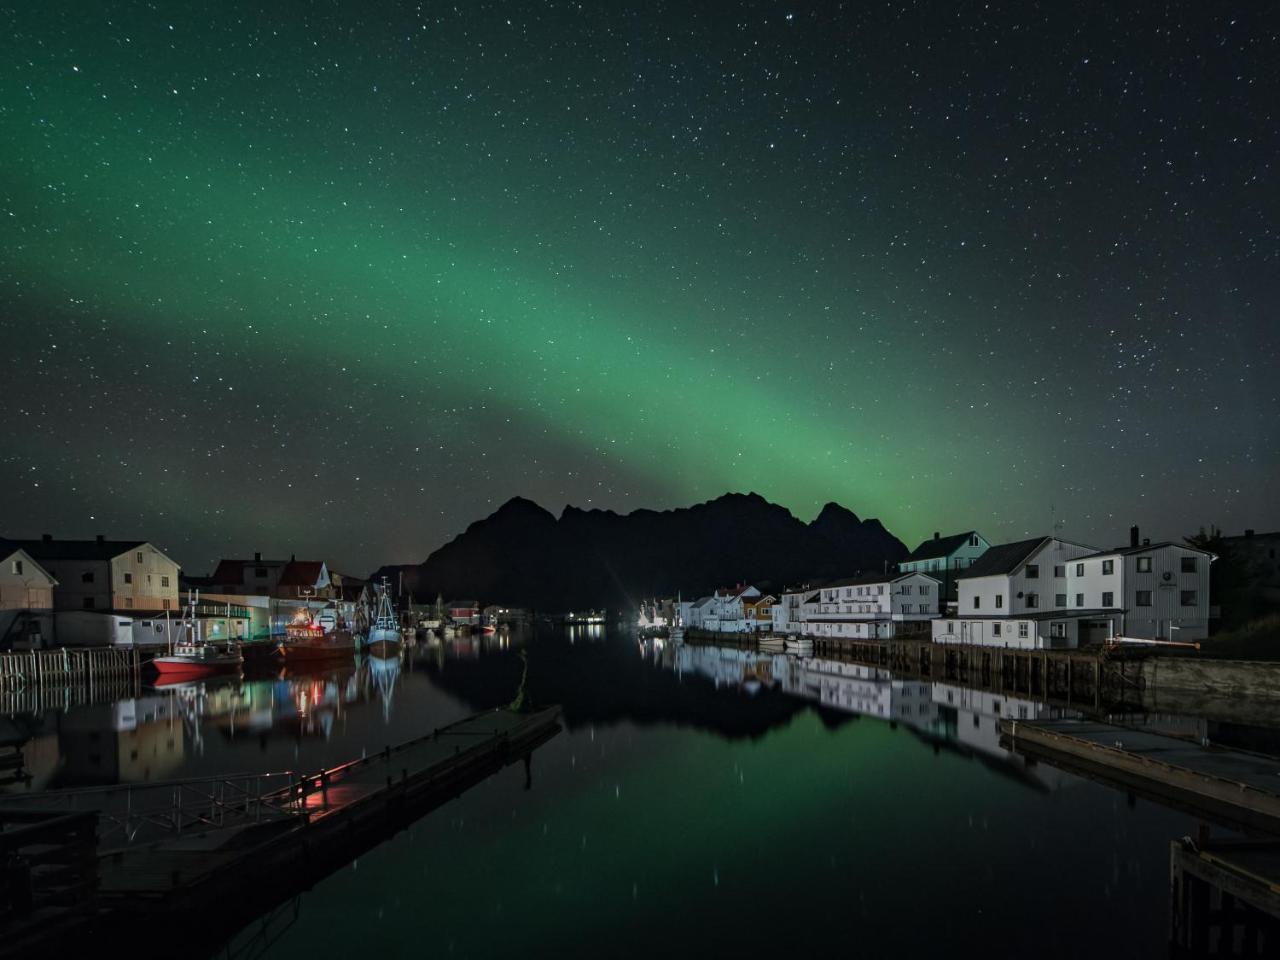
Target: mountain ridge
[524,555]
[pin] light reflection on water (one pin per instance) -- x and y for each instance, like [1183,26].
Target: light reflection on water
[702,801]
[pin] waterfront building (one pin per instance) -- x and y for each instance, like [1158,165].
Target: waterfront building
[944,558]
[878,607]
[463,612]
[1010,597]
[1159,591]
[725,613]
[26,599]
[106,576]
[758,612]
[655,614]
[304,580]
[788,611]
[1054,593]
[256,576]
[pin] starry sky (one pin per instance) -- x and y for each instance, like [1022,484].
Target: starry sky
[339,278]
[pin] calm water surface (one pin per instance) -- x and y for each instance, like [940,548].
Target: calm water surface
[700,802]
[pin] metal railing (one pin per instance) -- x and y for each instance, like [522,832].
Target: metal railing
[130,813]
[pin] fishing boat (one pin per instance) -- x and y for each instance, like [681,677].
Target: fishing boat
[189,657]
[306,639]
[384,635]
[800,646]
[772,644]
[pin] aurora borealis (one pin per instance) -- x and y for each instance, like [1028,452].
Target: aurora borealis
[339,278]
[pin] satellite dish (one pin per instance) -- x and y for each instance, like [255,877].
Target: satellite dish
[1168,575]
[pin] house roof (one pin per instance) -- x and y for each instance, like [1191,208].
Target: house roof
[939,547]
[8,552]
[97,549]
[302,573]
[1003,558]
[232,571]
[1142,548]
[455,604]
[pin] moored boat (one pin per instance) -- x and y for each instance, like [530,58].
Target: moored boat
[384,635]
[190,657]
[308,640]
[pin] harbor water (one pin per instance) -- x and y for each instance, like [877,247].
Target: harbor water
[701,801]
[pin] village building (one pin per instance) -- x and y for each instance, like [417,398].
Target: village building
[872,608]
[787,611]
[944,558]
[1259,555]
[757,612]
[26,600]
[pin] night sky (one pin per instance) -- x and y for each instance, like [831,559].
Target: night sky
[339,278]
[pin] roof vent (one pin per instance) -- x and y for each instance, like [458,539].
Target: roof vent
[937,535]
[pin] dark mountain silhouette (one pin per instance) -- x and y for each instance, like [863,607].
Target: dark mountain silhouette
[523,556]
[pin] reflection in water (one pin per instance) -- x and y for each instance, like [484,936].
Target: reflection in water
[851,783]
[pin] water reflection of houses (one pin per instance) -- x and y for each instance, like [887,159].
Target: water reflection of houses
[955,717]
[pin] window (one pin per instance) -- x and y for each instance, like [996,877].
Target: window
[138,557]
[973,541]
[1079,599]
[16,567]
[995,629]
[906,588]
[1059,599]
[1059,570]
[1022,629]
[165,603]
[1058,630]
[951,626]
[1033,571]
[1188,598]
[128,602]
[1144,564]
[1033,601]
[999,601]
[1144,598]
[88,603]
[1079,569]
[1108,599]
[128,578]
[977,602]
[1108,567]
[164,581]
[1188,564]
[924,589]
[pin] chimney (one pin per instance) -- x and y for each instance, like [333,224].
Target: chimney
[101,538]
[1133,536]
[256,556]
[48,537]
[937,535]
[1146,541]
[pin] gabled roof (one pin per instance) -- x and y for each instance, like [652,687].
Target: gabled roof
[1003,558]
[940,547]
[232,571]
[98,549]
[303,573]
[456,604]
[9,551]
[1143,548]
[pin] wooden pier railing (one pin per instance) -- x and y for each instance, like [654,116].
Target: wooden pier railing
[33,681]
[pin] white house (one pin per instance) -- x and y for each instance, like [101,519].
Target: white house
[945,558]
[725,613]
[1159,591]
[1015,595]
[872,608]
[788,612]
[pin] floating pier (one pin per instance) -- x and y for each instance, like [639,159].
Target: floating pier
[167,851]
[1233,786]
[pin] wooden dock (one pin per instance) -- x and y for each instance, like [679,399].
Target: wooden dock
[1235,787]
[248,866]
[1224,898]
[67,666]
